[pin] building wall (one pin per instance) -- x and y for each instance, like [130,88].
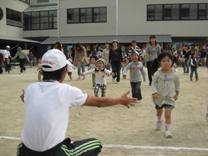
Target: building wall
[88,29]
[36,2]
[132,20]
[7,30]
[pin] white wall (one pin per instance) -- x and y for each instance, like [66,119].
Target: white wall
[6,30]
[132,20]
[87,29]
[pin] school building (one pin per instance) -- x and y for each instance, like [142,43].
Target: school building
[100,21]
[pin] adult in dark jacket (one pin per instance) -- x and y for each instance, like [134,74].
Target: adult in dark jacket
[115,59]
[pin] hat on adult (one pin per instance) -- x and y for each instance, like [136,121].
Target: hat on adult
[53,60]
[100,60]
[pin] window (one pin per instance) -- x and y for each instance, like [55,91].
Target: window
[27,21]
[52,19]
[73,16]
[154,12]
[40,20]
[14,18]
[188,11]
[171,12]
[203,11]
[87,15]
[99,14]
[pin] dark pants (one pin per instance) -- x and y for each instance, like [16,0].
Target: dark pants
[22,65]
[88,147]
[136,90]
[194,71]
[116,69]
[7,65]
[152,67]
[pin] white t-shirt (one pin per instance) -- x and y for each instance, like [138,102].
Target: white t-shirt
[6,54]
[47,113]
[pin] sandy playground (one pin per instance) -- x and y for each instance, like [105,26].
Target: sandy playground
[124,132]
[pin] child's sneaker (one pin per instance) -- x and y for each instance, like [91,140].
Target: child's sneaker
[168,134]
[158,125]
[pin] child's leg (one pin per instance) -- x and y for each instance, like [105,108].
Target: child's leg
[96,90]
[103,90]
[191,75]
[139,94]
[196,74]
[159,112]
[39,75]
[168,122]
[133,90]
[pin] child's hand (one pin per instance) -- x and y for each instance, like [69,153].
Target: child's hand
[113,74]
[175,97]
[156,96]
[124,77]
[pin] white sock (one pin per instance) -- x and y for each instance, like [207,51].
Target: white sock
[167,127]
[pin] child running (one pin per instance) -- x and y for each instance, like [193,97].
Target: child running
[194,67]
[165,86]
[70,68]
[100,80]
[136,70]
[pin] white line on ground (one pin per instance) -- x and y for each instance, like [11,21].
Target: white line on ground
[137,147]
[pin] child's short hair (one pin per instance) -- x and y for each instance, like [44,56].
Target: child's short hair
[165,54]
[93,56]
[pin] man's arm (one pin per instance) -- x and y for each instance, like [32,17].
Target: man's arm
[107,101]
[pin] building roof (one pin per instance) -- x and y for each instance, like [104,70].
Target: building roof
[104,39]
[17,39]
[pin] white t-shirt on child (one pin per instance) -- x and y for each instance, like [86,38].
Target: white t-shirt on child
[47,113]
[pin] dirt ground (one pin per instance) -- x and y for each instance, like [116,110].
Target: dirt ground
[116,125]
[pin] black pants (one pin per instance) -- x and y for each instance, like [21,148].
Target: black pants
[152,67]
[7,65]
[194,71]
[87,147]
[22,65]
[116,69]
[136,90]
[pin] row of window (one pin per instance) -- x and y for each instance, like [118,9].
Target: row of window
[40,20]
[87,15]
[190,11]
[14,18]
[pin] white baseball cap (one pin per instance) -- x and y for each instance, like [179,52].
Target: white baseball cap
[53,60]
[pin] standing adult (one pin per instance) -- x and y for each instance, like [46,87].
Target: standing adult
[115,59]
[187,56]
[22,59]
[152,52]
[80,59]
